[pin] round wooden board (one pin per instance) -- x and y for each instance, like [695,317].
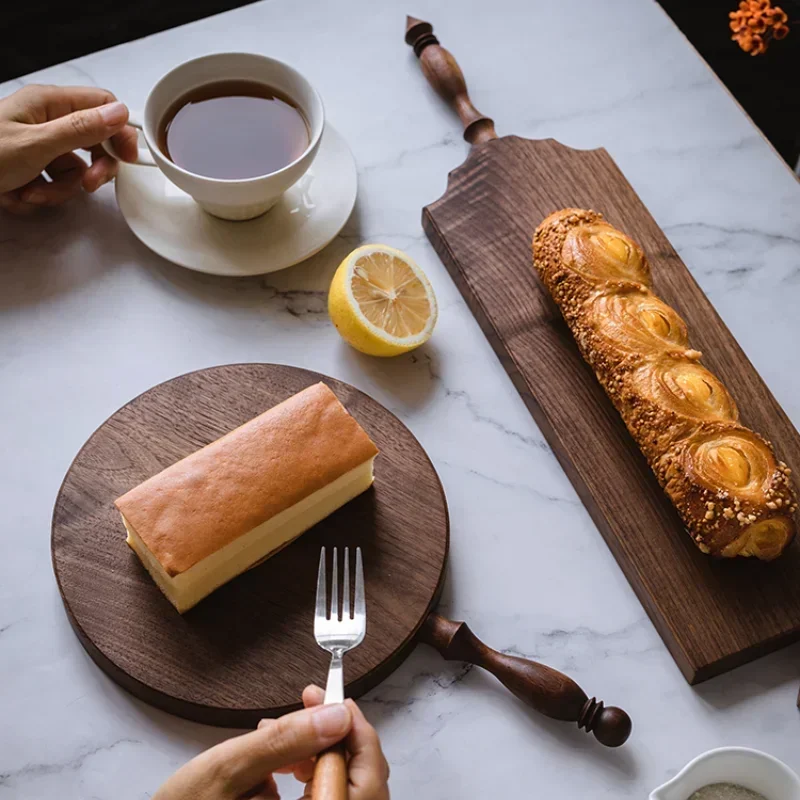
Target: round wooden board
[248,650]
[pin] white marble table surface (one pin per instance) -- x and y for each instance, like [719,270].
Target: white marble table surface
[89,318]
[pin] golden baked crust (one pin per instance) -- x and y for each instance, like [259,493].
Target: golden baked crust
[205,501]
[733,495]
[635,326]
[725,478]
[668,398]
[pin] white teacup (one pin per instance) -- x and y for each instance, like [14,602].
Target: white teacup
[229,199]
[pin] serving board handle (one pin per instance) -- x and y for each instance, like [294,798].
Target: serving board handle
[444,74]
[548,691]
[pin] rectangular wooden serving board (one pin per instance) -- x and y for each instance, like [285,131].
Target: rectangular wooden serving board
[712,615]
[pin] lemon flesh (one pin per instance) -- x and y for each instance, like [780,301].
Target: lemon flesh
[381,302]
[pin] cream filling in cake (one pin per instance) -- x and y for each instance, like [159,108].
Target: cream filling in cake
[189,587]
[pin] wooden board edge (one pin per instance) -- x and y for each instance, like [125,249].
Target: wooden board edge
[477,150]
[247,718]
[745,656]
[239,718]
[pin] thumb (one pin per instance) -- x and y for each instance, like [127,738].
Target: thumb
[84,128]
[295,737]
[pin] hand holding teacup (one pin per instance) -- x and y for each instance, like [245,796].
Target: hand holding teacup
[41,127]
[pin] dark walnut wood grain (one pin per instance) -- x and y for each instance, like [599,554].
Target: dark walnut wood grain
[445,76]
[248,650]
[712,615]
[548,691]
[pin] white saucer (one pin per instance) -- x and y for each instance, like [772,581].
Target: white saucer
[304,220]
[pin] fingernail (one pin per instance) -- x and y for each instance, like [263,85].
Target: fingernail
[113,113]
[331,721]
[34,197]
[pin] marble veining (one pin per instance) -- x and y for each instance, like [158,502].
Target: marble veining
[29,771]
[89,318]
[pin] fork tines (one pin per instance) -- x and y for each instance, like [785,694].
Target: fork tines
[331,612]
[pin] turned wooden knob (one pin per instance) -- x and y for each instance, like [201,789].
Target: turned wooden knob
[444,74]
[547,690]
[610,725]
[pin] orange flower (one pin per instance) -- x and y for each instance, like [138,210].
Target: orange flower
[756,23]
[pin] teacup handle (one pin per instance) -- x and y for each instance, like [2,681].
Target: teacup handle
[145,156]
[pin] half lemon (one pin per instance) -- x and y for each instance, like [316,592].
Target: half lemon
[381,302]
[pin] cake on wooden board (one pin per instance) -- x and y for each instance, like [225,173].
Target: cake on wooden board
[219,511]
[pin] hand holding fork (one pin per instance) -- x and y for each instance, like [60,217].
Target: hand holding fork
[337,635]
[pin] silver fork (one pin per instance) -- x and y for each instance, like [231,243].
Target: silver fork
[334,634]
[337,636]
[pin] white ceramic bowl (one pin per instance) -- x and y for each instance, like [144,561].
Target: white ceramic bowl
[752,769]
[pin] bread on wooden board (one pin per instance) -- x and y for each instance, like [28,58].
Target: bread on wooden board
[734,496]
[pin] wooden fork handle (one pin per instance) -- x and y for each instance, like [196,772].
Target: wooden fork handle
[548,691]
[330,775]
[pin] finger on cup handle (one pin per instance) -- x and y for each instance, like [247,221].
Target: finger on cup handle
[66,172]
[103,169]
[10,202]
[81,129]
[126,144]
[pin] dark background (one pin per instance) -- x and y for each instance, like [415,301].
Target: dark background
[766,85]
[37,34]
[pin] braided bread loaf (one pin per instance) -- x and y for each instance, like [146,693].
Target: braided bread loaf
[733,495]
